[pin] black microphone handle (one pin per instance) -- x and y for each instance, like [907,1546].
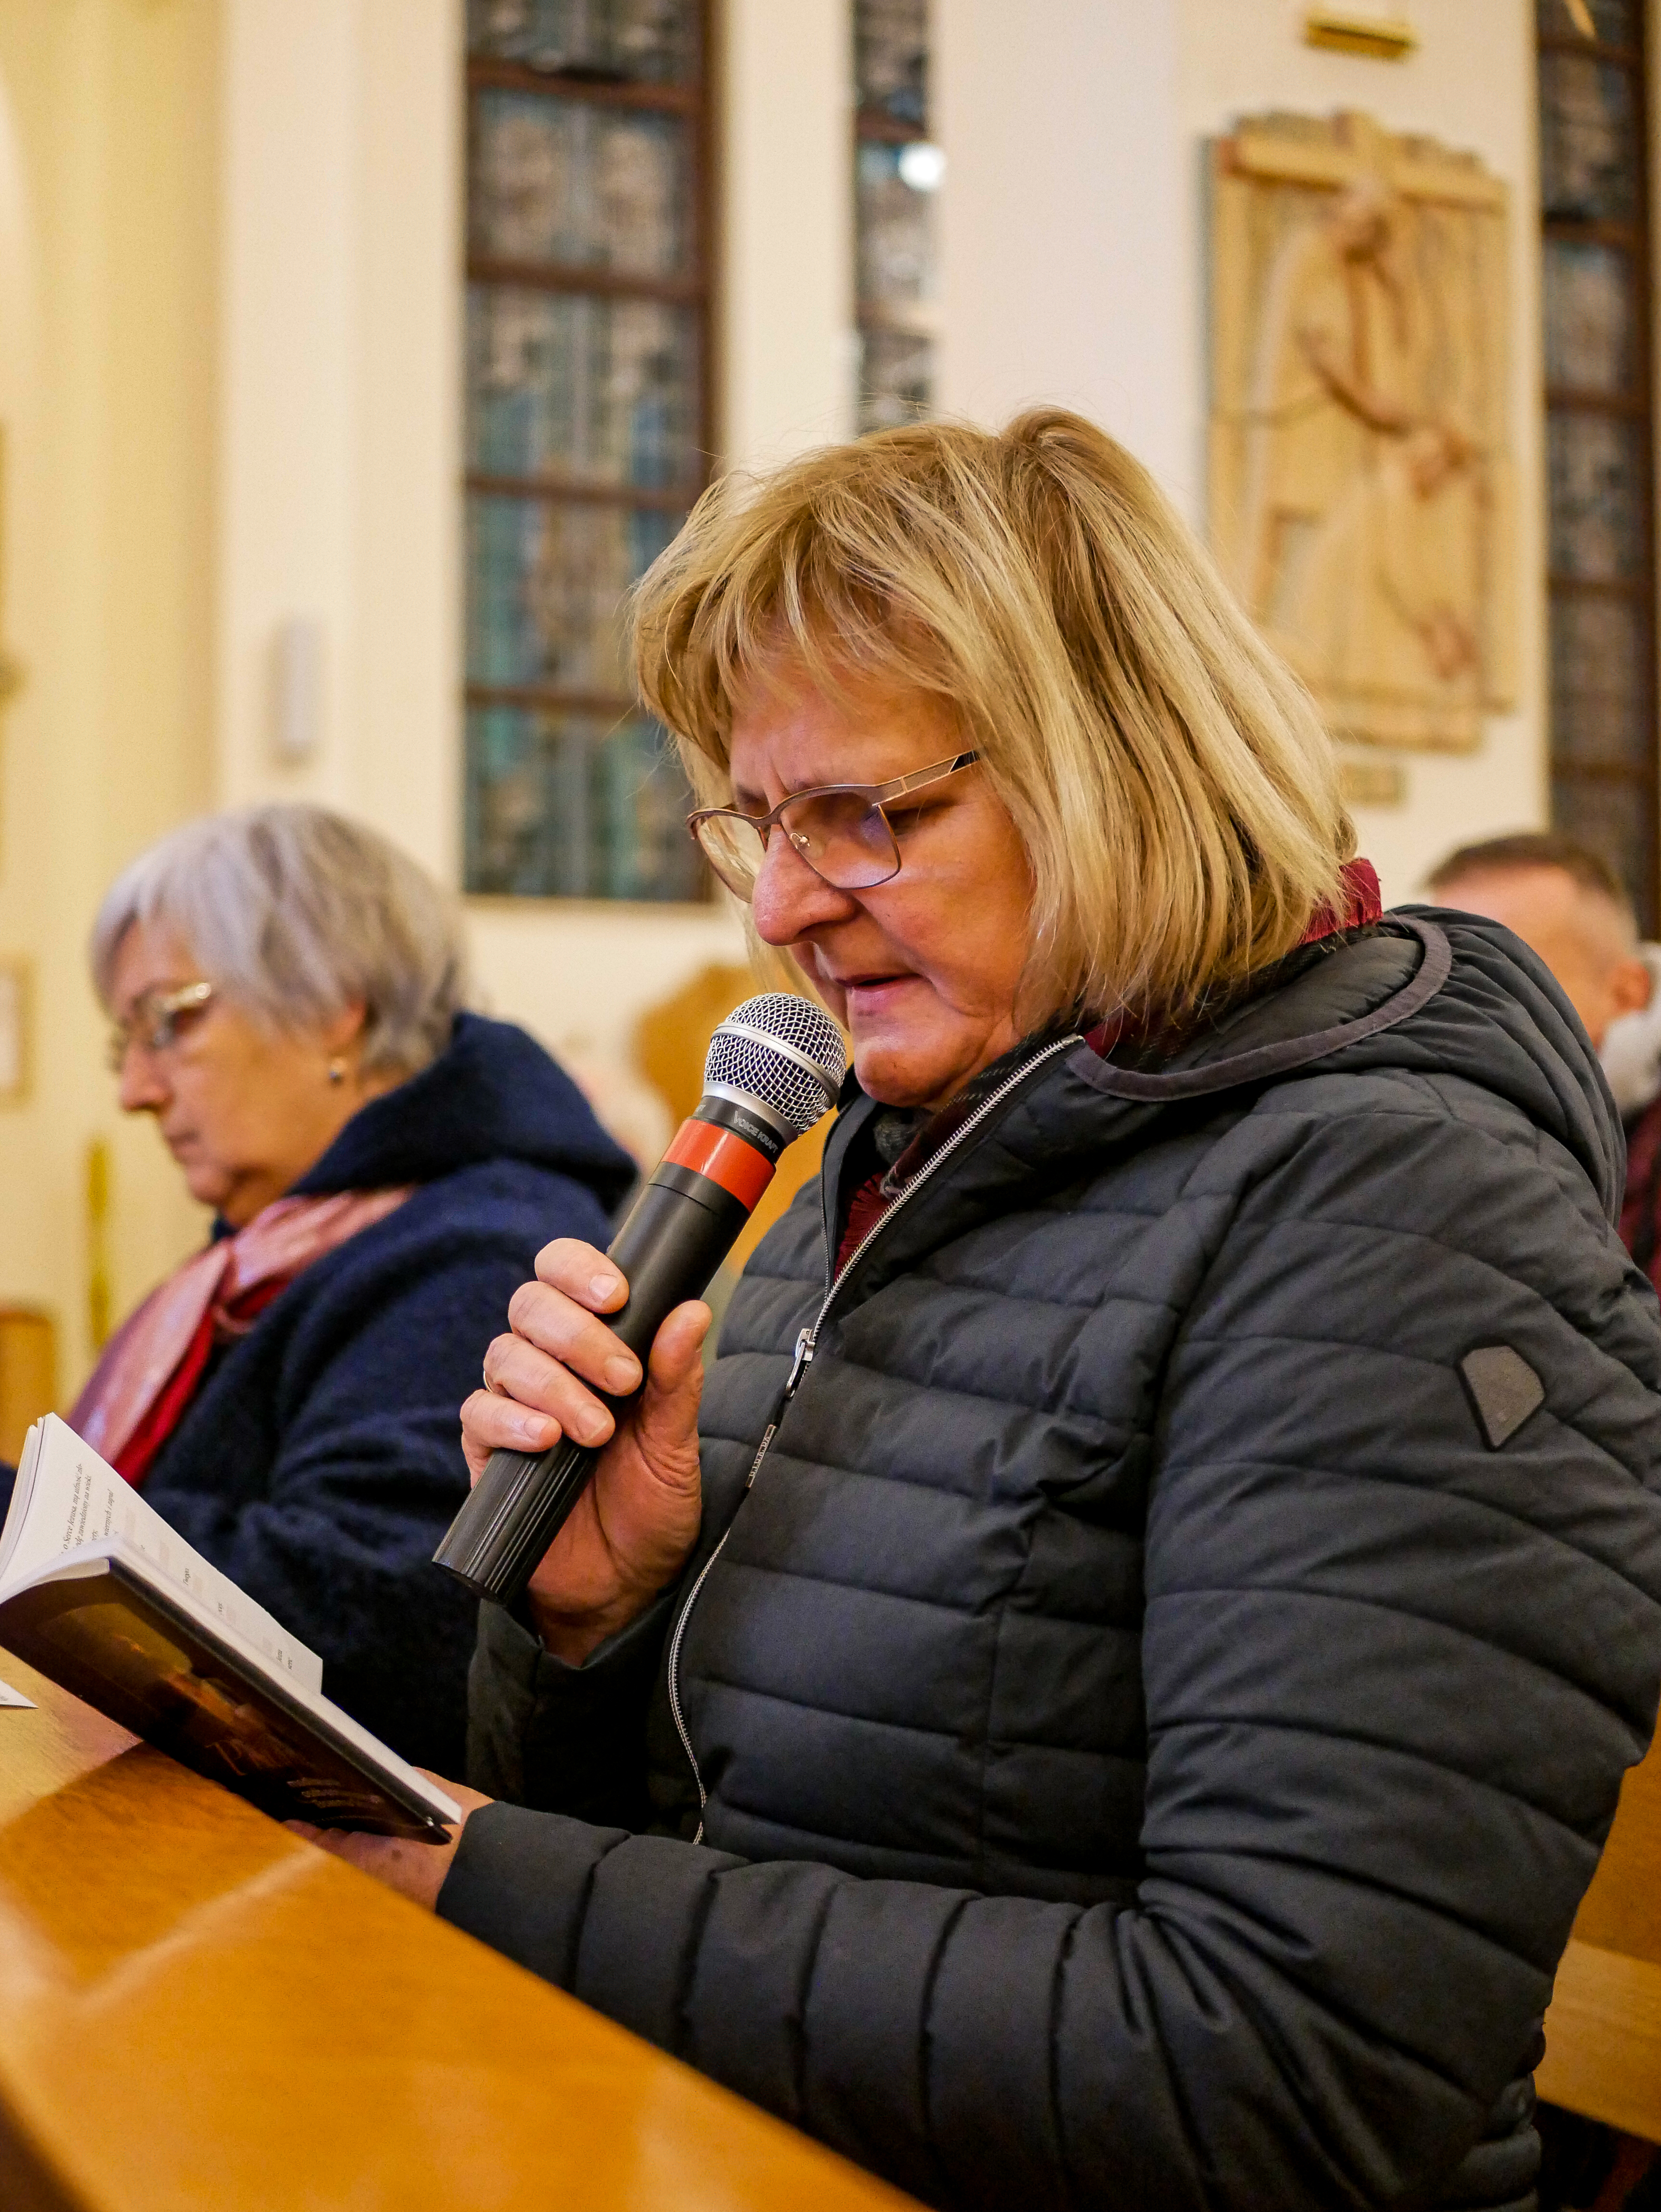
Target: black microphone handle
[678,1231]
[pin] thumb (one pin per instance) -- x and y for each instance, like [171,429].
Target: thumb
[666,1424]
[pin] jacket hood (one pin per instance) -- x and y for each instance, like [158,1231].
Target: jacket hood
[1432,991]
[1426,990]
[493,1094]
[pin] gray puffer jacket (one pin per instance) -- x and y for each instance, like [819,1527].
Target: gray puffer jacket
[1162,1697]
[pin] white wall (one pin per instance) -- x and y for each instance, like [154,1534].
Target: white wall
[339,430]
[787,249]
[107,177]
[1074,228]
[1066,221]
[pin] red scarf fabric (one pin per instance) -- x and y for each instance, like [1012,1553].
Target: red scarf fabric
[1363,905]
[151,1366]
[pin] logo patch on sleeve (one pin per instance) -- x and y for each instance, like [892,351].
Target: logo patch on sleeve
[1504,1390]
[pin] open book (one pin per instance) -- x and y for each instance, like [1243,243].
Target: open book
[100,1596]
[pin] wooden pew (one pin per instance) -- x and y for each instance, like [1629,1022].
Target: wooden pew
[1603,2031]
[198,2013]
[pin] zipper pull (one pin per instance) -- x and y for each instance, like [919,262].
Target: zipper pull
[799,1366]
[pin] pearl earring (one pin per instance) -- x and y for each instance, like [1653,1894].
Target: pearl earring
[336,1071]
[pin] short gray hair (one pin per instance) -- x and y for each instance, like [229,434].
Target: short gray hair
[294,912]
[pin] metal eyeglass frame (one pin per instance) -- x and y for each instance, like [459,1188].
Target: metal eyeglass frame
[877,796]
[155,1020]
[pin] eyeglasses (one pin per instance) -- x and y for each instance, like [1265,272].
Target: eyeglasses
[156,1019]
[841,829]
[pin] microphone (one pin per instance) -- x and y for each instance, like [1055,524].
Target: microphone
[773,1065]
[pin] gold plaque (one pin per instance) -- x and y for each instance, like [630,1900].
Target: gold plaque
[1380,38]
[1371,782]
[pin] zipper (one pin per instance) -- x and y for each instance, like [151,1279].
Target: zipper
[806,1344]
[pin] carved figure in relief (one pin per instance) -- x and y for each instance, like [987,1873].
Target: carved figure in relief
[1358,457]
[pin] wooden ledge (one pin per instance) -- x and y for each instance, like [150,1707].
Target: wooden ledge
[1603,2031]
[1603,2039]
[199,2013]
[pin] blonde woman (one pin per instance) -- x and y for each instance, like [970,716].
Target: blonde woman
[286,989]
[1114,1698]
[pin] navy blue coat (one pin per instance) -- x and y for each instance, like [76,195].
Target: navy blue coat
[320,1461]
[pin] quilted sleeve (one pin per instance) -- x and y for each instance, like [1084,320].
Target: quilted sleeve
[560,1738]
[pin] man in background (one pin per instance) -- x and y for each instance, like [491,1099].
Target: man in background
[1567,905]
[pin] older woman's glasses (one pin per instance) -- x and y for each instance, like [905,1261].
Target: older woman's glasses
[156,1020]
[841,829]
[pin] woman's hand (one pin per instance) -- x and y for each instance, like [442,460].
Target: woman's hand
[415,1870]
[636,1521]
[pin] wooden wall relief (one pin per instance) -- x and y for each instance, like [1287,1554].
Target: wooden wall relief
[1360,489]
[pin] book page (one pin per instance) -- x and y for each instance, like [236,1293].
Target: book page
[75,1500]
[23,1489]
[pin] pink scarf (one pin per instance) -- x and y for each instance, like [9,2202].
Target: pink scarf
[151,1365]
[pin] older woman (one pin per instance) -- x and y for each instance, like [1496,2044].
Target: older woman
[1138,1733]
[286,988]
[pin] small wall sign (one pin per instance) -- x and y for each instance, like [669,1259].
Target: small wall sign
[14,997]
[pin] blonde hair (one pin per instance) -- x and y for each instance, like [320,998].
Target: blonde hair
[1169,776]
[294,912]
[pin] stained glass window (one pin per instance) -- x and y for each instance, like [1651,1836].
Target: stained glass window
[587,431]
[897,174]
[1600,483]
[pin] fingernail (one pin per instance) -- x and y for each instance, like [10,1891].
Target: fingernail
[533,1432]
[591,1426]
[622,1374]
[603,1286]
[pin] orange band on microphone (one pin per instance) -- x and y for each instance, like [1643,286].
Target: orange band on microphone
[724,1157]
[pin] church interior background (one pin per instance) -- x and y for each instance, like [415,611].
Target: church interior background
[356,356]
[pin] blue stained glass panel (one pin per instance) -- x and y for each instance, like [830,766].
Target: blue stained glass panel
[545,584]
[891,57]
[569,185]
[568,806]
[897,379]
[575,384]
[632,41]
[895,228]
[1611,818]
[1599,710]
[1597,492]
[1588,306]
[1589,154]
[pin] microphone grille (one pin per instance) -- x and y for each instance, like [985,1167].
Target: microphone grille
[783,1050]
